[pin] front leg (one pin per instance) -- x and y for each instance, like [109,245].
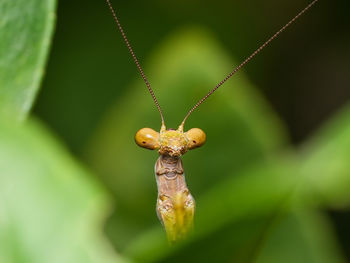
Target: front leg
[160,169]
[168,166]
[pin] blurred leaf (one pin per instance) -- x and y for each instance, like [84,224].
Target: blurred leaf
[240,127]
[326,163]
[302,236]
[26,28]
[249,218]
[51,210]
[234,214]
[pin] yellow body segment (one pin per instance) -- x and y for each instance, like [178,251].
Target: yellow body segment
[173,143]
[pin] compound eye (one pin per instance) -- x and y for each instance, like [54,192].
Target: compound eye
[196,138]
[147,138]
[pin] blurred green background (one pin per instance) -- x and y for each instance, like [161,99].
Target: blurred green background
[272,183]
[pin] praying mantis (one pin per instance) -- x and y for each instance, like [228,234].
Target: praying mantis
[175,204]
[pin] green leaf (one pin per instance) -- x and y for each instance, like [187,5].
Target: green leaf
[51,210]
[240,127]
[26,28]
[249,218]
[234,214]
[326,165]
[302,236]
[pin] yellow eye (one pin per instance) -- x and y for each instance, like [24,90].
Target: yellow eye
[196,138]
[147,138]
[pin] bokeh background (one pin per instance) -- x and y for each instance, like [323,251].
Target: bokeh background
[304,74]
[92,99]
[307,64]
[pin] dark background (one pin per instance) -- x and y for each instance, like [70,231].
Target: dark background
[304,74]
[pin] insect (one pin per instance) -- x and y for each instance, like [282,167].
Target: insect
[175,204]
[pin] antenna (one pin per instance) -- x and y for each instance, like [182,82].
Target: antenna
[136,61]
[246,61]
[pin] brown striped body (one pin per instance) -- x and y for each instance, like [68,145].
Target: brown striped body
[175,204]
